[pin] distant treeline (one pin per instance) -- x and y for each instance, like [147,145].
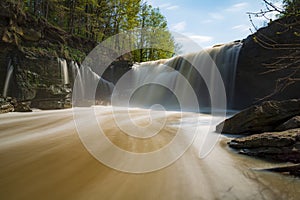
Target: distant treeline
[98,20]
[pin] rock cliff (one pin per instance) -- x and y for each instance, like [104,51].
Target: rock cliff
[273,49]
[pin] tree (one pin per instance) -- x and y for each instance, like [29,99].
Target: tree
[292,7]
[100,19]
[153,36]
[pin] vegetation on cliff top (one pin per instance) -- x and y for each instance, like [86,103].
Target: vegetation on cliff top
[98,20]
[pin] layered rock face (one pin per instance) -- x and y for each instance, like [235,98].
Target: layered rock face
[268,116]
[280,146]
[32,46]
[11,105]
[272,132]
[5,106]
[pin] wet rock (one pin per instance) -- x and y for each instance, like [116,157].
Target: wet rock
[22,107]
[293,169]
[280,146]
[6,107]
[10,104]
[49,104]
[290,124]
[262,118]
[52,97]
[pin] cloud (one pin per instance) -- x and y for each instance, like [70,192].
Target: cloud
[241,27]
[179,27]
[206,21]
[168,6]
[191,42]
[264,20]
[165,5]
[201,38]
[175,7]
[194,37]
[279,5]
[216,16]
[237,7]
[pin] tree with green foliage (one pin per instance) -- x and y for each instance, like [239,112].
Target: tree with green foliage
[100,19]
[291,7]
[153,39]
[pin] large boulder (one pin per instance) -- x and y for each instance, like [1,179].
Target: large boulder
[22,107]
[261,118]
[280,146]
[290,124]
[53,97]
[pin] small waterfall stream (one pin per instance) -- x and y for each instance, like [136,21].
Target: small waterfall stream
[64,71]
[77,74]
[84,77]
[10,69]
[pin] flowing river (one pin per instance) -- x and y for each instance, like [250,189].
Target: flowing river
[42,157]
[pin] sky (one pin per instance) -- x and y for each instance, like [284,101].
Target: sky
[211,22]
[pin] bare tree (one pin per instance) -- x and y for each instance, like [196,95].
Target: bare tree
[289,23]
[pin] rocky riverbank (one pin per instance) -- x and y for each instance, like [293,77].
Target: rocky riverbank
[32,46]
[12,105]
[270,131]
[36,49]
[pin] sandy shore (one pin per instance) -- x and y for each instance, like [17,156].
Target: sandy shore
[42,157]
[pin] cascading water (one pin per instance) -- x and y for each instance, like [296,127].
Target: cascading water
[224,57]
[75,69]
[64,71]
[10,69]
[84,77]
[77,75]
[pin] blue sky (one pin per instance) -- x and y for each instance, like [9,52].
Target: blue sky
[210,22]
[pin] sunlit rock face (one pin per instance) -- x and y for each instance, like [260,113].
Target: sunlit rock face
[279,146]
[268,116]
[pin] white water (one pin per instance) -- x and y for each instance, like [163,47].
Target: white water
[84,78]
[10,69]
[64,71]
[42,158]
[226,58]
[165,72]
[77,75]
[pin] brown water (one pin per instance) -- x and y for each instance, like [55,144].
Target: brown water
[42,157]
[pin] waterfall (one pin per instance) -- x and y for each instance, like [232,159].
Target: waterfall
[64,71]
[84,78]
[10,69]
[75,69]
[169,72]
[77,76]
[226,58]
